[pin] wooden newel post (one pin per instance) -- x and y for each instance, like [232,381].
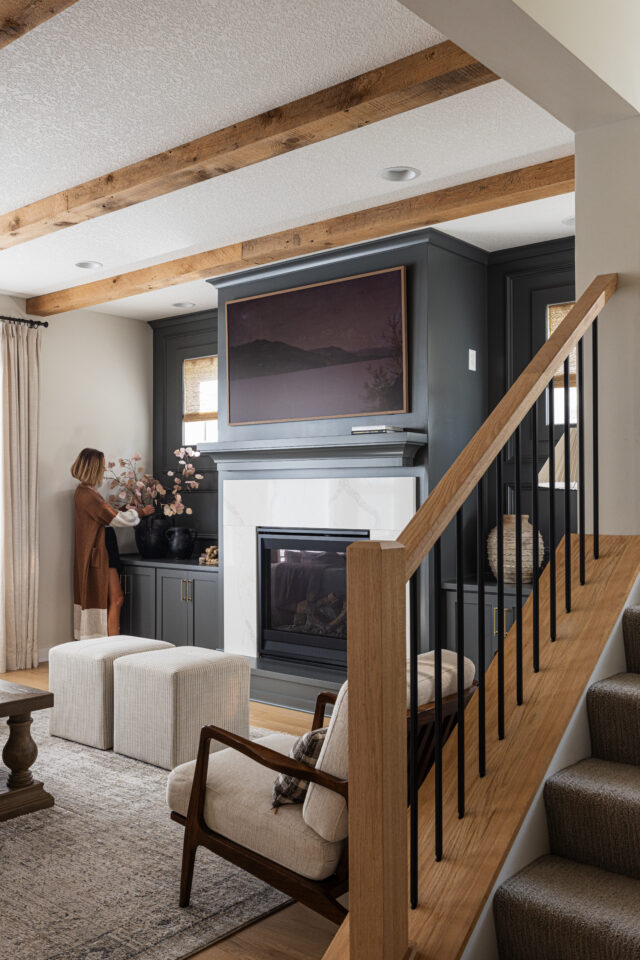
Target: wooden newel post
[378,868]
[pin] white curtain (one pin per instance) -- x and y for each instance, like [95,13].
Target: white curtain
[20,392]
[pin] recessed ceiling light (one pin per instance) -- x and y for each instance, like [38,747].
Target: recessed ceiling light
[183,304]
[569,221]
[400,173]
[89,264]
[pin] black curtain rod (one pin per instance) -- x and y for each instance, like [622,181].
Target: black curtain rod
[31,323]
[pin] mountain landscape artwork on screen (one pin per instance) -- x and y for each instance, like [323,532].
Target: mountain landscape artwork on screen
[333,349]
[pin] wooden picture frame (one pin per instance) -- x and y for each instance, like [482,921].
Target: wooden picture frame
[340,346]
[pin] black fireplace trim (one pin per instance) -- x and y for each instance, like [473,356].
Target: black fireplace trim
[271,645]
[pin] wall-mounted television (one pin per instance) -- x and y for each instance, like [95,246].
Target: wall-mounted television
[332,349]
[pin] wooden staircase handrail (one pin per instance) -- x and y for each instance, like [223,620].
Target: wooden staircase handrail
[436,513]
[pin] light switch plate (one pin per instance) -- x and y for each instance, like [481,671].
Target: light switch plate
[472,360]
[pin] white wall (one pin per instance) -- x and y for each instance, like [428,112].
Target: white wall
[543,64]
[96,391]
[603,35]
[608,241]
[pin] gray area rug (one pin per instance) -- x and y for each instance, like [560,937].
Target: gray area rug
[96,877]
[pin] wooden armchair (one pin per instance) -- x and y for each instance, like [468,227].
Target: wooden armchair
[301,853]
[320,895]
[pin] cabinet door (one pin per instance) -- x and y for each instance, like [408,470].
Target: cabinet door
[472,634]
[470,624]
[139,608]
[173,609]
[203,591]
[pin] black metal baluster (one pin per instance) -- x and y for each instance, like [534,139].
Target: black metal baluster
[581,492]
[413,742]
[519,692]
[500,611]
[536,552]
[460,661]
[567,491]
[552,515]
[596,467]
[437,577]
[482,640]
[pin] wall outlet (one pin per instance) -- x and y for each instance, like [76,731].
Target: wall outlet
[472,360]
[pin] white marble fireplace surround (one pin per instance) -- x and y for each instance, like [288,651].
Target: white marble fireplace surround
[382,505]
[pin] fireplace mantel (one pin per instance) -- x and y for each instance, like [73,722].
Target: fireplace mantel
[364,450]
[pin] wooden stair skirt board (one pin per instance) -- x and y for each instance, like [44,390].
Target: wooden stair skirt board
[453,893]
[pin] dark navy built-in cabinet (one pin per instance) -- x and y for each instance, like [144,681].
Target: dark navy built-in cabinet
[172,600]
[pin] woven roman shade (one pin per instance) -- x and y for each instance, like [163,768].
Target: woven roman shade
[556,312]
[200,376]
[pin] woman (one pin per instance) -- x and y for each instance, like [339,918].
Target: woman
[97,594]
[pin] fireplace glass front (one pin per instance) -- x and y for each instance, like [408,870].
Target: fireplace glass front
[302,603]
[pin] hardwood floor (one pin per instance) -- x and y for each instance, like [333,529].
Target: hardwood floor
[295,932]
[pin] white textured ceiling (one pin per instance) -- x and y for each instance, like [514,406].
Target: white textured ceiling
[110,81]
[515,226]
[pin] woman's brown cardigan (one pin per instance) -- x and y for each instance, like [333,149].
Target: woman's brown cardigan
[91,566]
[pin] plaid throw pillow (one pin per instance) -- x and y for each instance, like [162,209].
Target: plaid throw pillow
[306,749]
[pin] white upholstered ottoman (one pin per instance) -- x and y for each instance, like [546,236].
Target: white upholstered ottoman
[163,698]
[81,680]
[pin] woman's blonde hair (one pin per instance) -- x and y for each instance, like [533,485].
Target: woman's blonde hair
[88,466]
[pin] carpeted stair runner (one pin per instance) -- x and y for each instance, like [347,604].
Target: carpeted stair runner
[583,901]
[614,718]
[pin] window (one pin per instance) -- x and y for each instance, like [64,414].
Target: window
[556,312]
[200,401]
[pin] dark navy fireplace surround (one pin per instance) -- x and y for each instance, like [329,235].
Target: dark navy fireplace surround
[446,315]
[458,298]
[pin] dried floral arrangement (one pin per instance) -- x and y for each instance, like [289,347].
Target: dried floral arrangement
[132,487]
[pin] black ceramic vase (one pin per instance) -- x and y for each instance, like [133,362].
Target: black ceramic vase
[181,541]
[150,537]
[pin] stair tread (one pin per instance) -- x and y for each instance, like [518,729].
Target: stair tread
[599,778]
[625,685]
[631,631]
[556,908]
[593,812]
[613,706]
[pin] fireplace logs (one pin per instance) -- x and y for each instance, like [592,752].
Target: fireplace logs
[325,617]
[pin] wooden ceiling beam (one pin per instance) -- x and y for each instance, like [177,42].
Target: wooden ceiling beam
[502,190]
[18,17]
[433,74]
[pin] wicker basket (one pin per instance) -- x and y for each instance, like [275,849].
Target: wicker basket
[509,540]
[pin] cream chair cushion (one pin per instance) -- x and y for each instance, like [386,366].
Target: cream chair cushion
[325,811]
[238,806]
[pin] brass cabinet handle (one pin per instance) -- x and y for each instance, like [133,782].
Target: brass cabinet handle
[182,584]
[190,591]
[505,614]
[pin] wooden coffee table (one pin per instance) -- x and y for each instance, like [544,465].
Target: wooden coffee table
[19,792]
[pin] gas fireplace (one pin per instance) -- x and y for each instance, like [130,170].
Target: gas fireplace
[302,594]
